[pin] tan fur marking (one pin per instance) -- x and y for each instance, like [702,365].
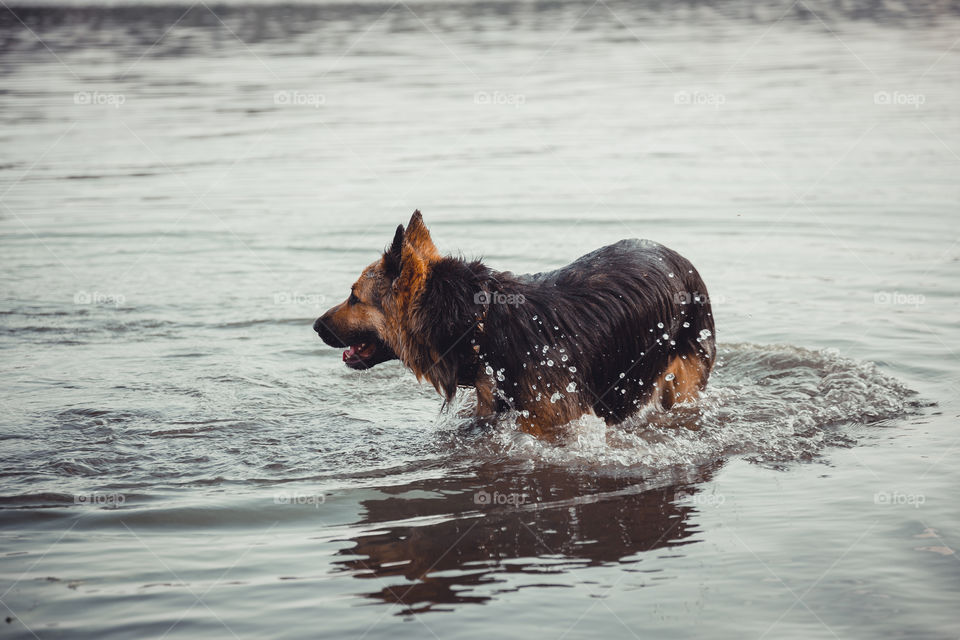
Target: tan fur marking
[418,236]
[546,426]
[545,418]
[486,406]
[689,377]
[406,337]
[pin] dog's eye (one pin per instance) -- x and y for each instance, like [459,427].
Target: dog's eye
[353,299]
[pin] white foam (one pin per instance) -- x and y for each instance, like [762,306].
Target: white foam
[772,403]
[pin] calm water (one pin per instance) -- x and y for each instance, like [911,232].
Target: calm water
[184,191]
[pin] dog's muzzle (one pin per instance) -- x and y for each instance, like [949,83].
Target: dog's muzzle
[322,327]
[363,350]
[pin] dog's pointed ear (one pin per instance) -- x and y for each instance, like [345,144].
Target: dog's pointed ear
[418,236]
[393,256]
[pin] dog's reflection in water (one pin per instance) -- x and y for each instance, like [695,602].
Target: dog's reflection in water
[503,525]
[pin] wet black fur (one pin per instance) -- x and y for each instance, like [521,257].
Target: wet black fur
[603,310]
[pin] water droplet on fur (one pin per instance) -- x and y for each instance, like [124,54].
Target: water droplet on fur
[666,336]
[705,333]
[660,325]
[549,363]
[563,358]
[489,370]
[500,375]
[556,396]
[623,375]
[572,387]
[572,369]
[686,324]
[669,377]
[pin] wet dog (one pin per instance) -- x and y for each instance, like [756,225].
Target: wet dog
[623,327]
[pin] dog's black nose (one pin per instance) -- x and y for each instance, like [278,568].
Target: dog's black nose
[323,327]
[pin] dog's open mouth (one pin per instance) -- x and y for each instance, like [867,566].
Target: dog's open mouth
[364,348]
[364,355]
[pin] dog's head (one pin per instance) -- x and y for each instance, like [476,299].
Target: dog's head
[372,323]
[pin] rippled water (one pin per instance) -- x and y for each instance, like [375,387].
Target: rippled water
[184,191]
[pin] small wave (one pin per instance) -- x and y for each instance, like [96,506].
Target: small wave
[81,417]
[773,404]
[197,431]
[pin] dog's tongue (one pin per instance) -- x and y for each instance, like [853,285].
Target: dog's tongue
[349,353]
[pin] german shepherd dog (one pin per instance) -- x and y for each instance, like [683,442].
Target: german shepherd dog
[623,327]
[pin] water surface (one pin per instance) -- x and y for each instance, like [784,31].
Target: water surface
[184,189]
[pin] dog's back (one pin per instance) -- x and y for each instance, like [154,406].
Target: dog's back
[630,322]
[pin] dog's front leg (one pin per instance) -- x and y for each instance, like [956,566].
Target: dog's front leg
[486,404]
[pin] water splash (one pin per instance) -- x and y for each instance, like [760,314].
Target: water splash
[773,404]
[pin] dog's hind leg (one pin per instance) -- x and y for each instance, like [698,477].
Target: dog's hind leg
[682,380]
